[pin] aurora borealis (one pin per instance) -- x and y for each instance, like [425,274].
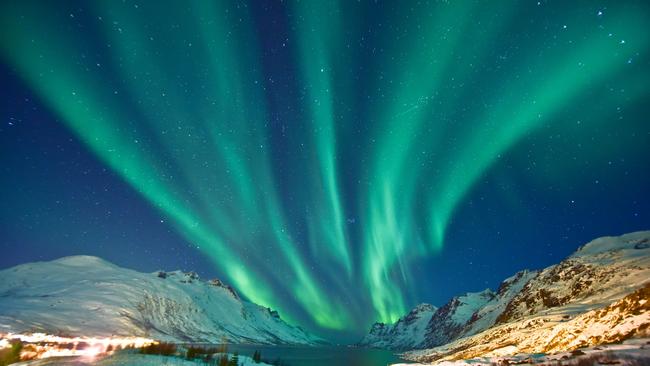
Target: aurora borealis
[338,161]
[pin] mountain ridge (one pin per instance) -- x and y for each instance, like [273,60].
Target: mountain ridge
[89,296]
[596,276]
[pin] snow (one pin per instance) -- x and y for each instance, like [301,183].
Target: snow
[594,299]
[469,304]
[597,295]
[88,296]
[487,315]
[408,332]
[467,314]
[614,243]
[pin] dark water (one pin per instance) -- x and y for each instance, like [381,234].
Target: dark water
[319,356]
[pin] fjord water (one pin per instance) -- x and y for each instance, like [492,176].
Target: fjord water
[319,356]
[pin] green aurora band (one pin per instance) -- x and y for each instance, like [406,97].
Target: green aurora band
[179,111]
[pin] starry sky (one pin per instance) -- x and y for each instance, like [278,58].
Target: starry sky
[339,161]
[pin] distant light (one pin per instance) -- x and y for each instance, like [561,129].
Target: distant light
[94,351]
[46,345]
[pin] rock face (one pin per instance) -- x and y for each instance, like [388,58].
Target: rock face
[599,294]
[88,296]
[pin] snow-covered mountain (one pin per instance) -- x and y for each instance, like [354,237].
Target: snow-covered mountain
[552,332]
[449,321]
[486,316]
[88,296]
[462,315]
[597,295]
[408,332]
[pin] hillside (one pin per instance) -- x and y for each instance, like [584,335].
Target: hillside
[597,295]
[87,296]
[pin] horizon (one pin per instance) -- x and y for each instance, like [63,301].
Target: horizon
[337,162]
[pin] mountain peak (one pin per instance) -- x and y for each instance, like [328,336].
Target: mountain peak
[470,298]
[420,308]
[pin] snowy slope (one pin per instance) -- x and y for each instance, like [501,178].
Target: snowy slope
[487,315]
[427,325]
[408,332]
[600,272]
[598,295]
[88,296]
[596,275]
[623,319]
[449,321]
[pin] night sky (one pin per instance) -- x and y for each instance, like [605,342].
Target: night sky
[339,161]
